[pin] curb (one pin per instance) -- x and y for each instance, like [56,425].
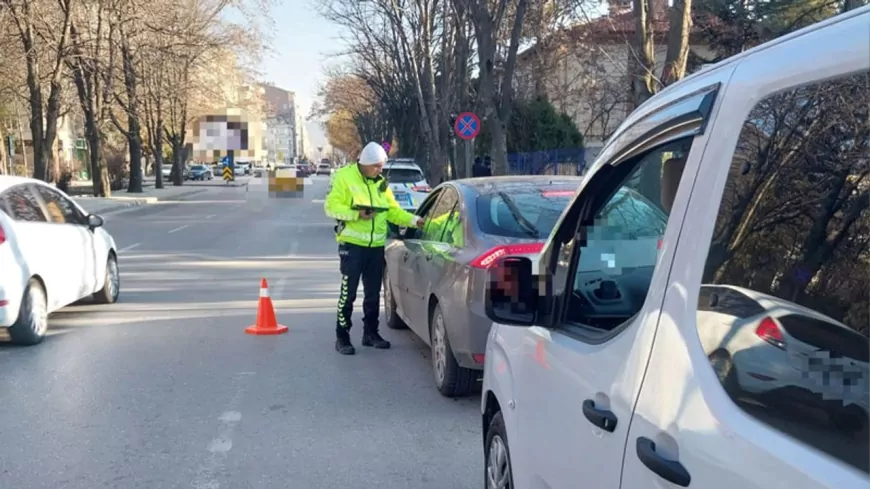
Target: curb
[130,202]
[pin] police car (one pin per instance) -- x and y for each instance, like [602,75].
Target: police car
[407,182]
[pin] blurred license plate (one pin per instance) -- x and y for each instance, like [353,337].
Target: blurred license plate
[403,198]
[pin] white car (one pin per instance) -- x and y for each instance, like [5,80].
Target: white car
[52,254]
[243,168]
[323,169]
[611,366]
[750,336]
[407,182]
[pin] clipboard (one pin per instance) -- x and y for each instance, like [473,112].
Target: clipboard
[370,209]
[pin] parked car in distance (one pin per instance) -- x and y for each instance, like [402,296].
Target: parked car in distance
[408,184]
[436,276]
[323,169]
[39,276]
[727,344]
[201,172]
[166,171]
[243,168]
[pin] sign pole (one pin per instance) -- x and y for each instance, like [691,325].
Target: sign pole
[469,156]
[467,127]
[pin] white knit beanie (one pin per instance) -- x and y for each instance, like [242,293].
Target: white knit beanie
[372,154]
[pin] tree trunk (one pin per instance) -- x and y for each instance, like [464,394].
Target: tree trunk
[43,120]
[134,141]
[157,151]
[678,42]
[134,128]
[4,157]
[642,59]
[99,174]
[177,173]
[496,95]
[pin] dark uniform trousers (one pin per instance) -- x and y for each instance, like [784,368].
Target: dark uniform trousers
[366,264]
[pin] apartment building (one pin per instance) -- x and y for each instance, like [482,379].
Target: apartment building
[281,138]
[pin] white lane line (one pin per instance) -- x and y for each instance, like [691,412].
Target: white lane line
[128,248]
[318,201]
[179,228]
[207,476]
[210,216]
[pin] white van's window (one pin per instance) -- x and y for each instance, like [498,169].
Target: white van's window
[791,241]
[617,261]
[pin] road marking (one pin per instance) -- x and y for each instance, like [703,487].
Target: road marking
[128,248]
[318,201]
[219,447]
[210,216]
[179,228]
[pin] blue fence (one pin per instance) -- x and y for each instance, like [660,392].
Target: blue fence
[551,162]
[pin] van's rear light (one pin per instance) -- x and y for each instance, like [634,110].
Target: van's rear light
[2,235]
[486,260]
[421,188]
[769,331]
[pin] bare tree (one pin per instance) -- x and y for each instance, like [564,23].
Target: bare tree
[411,54]
[130,36]
[92,66]
[43,29]
[188,68]
[496,65]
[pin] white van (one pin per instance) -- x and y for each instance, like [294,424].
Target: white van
[734,352]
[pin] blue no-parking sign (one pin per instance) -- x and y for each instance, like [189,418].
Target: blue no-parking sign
[467,126]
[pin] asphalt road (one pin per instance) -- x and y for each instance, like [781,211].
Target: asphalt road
[164,390]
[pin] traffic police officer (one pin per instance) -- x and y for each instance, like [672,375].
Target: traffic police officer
[361,201]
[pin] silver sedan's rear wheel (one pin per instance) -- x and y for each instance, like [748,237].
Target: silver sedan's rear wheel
[450,379]
[390,316]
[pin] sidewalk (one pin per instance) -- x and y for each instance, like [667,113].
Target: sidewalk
[122,199]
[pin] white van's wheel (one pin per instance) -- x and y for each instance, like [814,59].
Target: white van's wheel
[498,456]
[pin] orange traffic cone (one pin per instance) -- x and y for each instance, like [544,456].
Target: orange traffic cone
[266,322]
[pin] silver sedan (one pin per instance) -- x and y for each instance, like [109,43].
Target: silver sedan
[435,278]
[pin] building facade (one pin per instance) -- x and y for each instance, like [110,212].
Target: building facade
[585,71]
[281,139]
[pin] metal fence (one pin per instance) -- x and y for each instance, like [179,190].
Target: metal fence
[568,161]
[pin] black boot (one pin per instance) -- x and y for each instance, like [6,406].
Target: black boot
[375,340]
[343,345]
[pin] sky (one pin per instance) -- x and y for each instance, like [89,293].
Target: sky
[301,42]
